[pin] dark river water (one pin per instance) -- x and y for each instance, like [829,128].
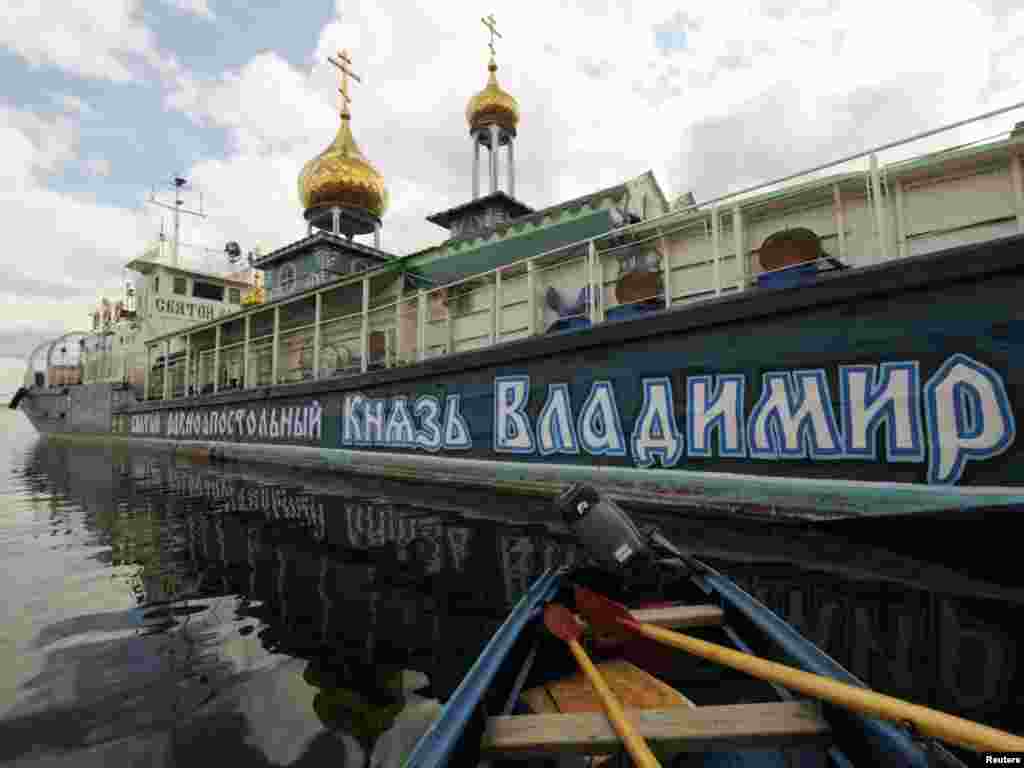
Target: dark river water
[162,613]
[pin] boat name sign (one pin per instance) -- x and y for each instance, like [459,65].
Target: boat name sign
[184,308]
[966,417]
[289,422]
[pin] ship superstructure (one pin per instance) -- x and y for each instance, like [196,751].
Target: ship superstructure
[158,298]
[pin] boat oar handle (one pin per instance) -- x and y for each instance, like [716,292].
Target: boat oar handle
[635,743]
[928,722]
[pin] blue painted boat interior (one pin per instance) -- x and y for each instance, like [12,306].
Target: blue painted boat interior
[522,655]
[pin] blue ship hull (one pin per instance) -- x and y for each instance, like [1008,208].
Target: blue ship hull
[887,390]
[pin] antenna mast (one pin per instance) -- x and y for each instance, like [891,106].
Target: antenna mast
[178,184]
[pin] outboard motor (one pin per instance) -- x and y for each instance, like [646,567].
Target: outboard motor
[638,561]
[606,532]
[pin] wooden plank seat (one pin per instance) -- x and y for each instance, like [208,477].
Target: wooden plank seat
[675,729]
[678,616]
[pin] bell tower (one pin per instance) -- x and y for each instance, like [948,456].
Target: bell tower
[493,116]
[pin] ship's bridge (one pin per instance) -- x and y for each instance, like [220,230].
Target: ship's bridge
[170,296]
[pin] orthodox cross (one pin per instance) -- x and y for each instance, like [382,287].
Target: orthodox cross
[492,25]
[344,63]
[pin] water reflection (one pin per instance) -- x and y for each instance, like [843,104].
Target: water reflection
[280,622]
[286,619]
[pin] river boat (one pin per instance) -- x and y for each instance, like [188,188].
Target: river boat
[843,342]
[525,701]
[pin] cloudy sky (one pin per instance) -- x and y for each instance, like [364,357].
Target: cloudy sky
[102,100]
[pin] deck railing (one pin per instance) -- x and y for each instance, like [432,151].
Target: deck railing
[863,214]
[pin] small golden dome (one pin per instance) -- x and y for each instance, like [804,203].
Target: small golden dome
[342,176]
[493,105]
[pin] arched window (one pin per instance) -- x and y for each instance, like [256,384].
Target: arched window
[287,275]
[328,263]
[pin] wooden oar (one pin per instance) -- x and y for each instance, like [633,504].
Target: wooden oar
[607,615]
[561,623]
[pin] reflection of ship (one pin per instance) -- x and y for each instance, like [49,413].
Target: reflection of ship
[375,578]
[380,511]
[368,579]
[814,549]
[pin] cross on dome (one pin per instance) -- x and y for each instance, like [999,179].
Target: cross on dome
[492,25]
[344,63]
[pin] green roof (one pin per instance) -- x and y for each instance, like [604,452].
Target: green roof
[451,263]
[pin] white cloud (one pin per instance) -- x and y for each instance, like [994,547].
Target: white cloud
[61,253]
[103,39]
[53,142]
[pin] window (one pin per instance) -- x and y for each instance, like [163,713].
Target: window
[328,263]
[210,291]
[180,286]
[235,295]
[156,284]
[287,276]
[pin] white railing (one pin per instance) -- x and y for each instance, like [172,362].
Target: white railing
[863,216]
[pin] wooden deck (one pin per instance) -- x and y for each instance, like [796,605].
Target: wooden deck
[634,687]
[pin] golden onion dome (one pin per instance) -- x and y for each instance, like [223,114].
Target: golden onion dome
[342,176]
[493,105]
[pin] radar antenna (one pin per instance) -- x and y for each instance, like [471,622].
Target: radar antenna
[177,184]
